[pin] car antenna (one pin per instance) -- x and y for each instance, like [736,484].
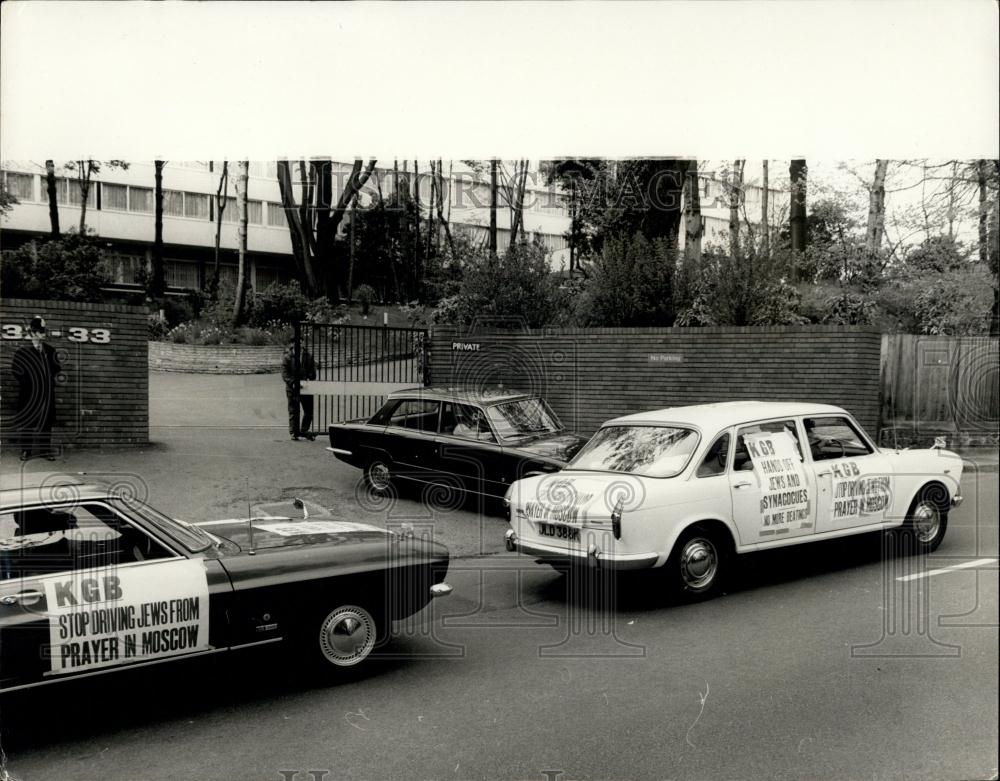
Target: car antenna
[250,552]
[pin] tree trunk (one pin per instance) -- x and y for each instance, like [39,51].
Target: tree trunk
[50,187]
[493,207]
[520,183]
[765,227]
[442,220]
[798,172]
[993,253]
[693,225]
[335,272]
[157,284]
[984,213]
[242,180]
[221,198]
[876,210]
[83,177]
[417,271]
[735,198]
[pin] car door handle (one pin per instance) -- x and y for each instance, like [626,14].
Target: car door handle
[823,474]
[24,598]
[744,484]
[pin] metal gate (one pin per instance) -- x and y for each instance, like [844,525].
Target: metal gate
[357,366]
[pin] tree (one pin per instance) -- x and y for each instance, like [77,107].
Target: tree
[569,172]
[70,268]
[313,225]
[493,207]
[736,200]
[157,283]
[876,209]
[50,188]
[85,169]
[242,181]
[797,171]
[765,227]
[221,199]
[694,225]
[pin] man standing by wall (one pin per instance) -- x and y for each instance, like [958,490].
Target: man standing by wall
[306,371]
[36,369]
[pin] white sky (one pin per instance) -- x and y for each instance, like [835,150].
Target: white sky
[823,80]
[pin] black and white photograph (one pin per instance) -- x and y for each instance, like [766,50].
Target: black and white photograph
[514,391]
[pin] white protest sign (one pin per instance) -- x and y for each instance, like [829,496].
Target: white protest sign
[784,492]
[855,495]
[116,615]
[295,528]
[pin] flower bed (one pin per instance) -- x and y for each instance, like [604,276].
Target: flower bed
[215,358]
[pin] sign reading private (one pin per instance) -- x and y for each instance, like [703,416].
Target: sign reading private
[784,495]
[117,615]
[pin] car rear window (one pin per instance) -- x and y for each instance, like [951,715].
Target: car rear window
[653,451]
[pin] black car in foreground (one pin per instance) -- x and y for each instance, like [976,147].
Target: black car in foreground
[478,441]
[92,582]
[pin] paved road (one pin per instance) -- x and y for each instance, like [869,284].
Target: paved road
[819,664]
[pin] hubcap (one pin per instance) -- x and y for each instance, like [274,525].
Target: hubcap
[379,476]
[926,521]
[699,563]
[347,636]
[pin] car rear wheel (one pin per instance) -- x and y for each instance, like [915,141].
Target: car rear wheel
[698,564]
[378,476]
[345,636]
[927,519]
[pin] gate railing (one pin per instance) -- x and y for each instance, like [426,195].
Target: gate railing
[358,366]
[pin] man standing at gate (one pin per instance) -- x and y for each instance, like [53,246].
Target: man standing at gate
[36,369]
[306,371]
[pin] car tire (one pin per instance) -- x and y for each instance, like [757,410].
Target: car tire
[344,637]
[378,477]
[926,520]
[699,564]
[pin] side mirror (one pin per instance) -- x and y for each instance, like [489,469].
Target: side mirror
[300,505]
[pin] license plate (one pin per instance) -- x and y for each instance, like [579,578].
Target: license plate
[558,531]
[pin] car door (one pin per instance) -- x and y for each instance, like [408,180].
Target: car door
[469,454]
[773,494]
[853,478]
[84,589]
[410,435]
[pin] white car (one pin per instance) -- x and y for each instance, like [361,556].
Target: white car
[685,488]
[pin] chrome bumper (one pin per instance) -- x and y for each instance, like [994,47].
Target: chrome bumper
[441,590]
[593,557]
[956,500]
[339,452]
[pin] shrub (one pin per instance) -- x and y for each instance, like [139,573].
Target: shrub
[70,268]
[631,284]
[365,295]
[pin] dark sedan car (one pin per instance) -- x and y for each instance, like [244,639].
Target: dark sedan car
[476,441]
[91,582]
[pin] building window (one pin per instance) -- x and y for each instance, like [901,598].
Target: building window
[73,195]
[21,186]
[255,212]
[125,269]
[114,197]
[173,203]
[229,213]
[180,273]
[276,215]
[265,277]
[198,165]
[196,206]
[257,168]
[140,199]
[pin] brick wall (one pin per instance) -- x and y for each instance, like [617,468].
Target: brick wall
[591,375]
[103,396]
[215,359]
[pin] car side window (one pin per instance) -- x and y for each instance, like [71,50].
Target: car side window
[466,421]
[741,458]
[40,541]
[716,457]
[415,414]
[834,437]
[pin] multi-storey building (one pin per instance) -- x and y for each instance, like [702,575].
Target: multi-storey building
[120,211]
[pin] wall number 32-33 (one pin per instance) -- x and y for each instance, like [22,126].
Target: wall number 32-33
[74,333]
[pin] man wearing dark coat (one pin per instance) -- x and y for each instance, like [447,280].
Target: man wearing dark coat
[306,371]
[36,370]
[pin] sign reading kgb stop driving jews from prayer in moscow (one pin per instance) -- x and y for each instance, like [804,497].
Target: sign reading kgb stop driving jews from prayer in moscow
[784,493]
[117,615]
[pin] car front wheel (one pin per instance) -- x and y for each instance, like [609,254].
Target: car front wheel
[927,519]
[698,563]
[345,636]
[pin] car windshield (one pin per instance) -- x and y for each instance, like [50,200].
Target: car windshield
[514,419]
[653,451]
[188,535]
